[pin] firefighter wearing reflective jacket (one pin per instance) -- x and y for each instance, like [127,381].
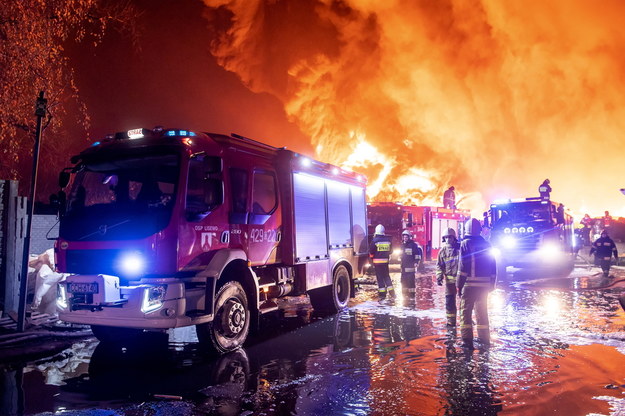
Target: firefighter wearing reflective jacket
[603,248]
[544,189]
[410,257]
[380,253]
[476,278]
[446,271]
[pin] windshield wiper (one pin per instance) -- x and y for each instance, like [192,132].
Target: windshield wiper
[103,229]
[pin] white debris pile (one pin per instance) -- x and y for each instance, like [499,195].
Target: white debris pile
[41,270]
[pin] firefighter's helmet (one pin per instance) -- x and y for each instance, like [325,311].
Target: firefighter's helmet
[473,227]
[406,232]
[379,229]
[450,233]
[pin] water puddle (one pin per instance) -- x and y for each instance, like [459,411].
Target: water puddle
[554,350]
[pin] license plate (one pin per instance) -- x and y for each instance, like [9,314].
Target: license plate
[82,287]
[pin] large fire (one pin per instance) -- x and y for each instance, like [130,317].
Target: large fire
[489,96]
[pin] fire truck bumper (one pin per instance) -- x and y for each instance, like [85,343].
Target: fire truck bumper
[100,300]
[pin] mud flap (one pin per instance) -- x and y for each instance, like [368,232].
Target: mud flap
[209,303]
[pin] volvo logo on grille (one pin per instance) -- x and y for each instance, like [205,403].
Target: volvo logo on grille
[102,229]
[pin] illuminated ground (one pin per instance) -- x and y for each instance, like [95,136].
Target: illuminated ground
[558,348]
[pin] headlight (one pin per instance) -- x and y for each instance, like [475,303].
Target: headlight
[506,230]
[397,252]
[495,252]
[508,242]
[530,229]
[515,230]
[132,264]
[153,298]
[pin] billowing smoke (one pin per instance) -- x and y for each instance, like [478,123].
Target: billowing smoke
[490,96]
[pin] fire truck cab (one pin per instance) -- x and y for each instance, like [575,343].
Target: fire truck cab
[168,228]
[530,233]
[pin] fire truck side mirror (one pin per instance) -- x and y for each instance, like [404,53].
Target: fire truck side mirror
[59,202]
[213,165]
[63,179]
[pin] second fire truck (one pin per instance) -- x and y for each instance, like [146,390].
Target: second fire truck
[530,233]
[426,224]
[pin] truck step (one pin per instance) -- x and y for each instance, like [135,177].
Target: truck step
[267,306]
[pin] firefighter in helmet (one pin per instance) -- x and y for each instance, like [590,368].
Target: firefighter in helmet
[380,253]
[446,271]
[410,258]
[603,248]
[449,198]
[476,278]
[544,189]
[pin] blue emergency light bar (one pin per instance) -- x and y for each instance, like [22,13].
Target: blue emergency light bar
[183,133]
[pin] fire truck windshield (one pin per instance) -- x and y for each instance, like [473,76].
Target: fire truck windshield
[389,216]
[521,212]
[136,192]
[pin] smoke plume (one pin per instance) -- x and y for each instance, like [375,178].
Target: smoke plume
[490,96]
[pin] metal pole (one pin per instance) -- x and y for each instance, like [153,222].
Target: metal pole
[40,112]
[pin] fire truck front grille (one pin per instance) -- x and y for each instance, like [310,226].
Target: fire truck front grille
[527,243]
[91,261]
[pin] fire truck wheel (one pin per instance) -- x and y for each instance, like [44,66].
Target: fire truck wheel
[110,334]
[332,298]
[231,323]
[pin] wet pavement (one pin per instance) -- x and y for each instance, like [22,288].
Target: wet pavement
[558,347]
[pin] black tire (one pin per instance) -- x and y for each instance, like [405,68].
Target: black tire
[112,334]
[231,324]
[334,297]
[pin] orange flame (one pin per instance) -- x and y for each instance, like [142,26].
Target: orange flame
[492,97]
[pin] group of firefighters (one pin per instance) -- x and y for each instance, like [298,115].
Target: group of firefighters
[465,268]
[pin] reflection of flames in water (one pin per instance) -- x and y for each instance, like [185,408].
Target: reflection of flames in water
[490,96]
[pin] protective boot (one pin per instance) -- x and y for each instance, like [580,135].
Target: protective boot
[450,309]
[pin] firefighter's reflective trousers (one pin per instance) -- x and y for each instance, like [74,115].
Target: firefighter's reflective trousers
[408,279]
[450,299]
[605,263]
[474,298]
[385,284]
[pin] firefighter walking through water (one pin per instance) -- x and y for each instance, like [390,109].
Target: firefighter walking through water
[603,248]
[446,271]
[380,253]
[410,258]
[476,278]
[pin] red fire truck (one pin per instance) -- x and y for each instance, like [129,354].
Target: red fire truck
[168,228]
[427,224]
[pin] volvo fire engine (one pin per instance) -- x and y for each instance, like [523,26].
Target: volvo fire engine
[530,233]
[168,228]
[426,224]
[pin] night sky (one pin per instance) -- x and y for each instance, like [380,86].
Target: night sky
[172,80]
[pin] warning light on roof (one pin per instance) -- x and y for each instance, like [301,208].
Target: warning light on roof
[135,134]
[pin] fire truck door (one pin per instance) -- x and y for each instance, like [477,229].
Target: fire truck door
[264,218]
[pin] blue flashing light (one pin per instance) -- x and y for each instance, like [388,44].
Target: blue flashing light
[132,264]
[95,144]
[183,133]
